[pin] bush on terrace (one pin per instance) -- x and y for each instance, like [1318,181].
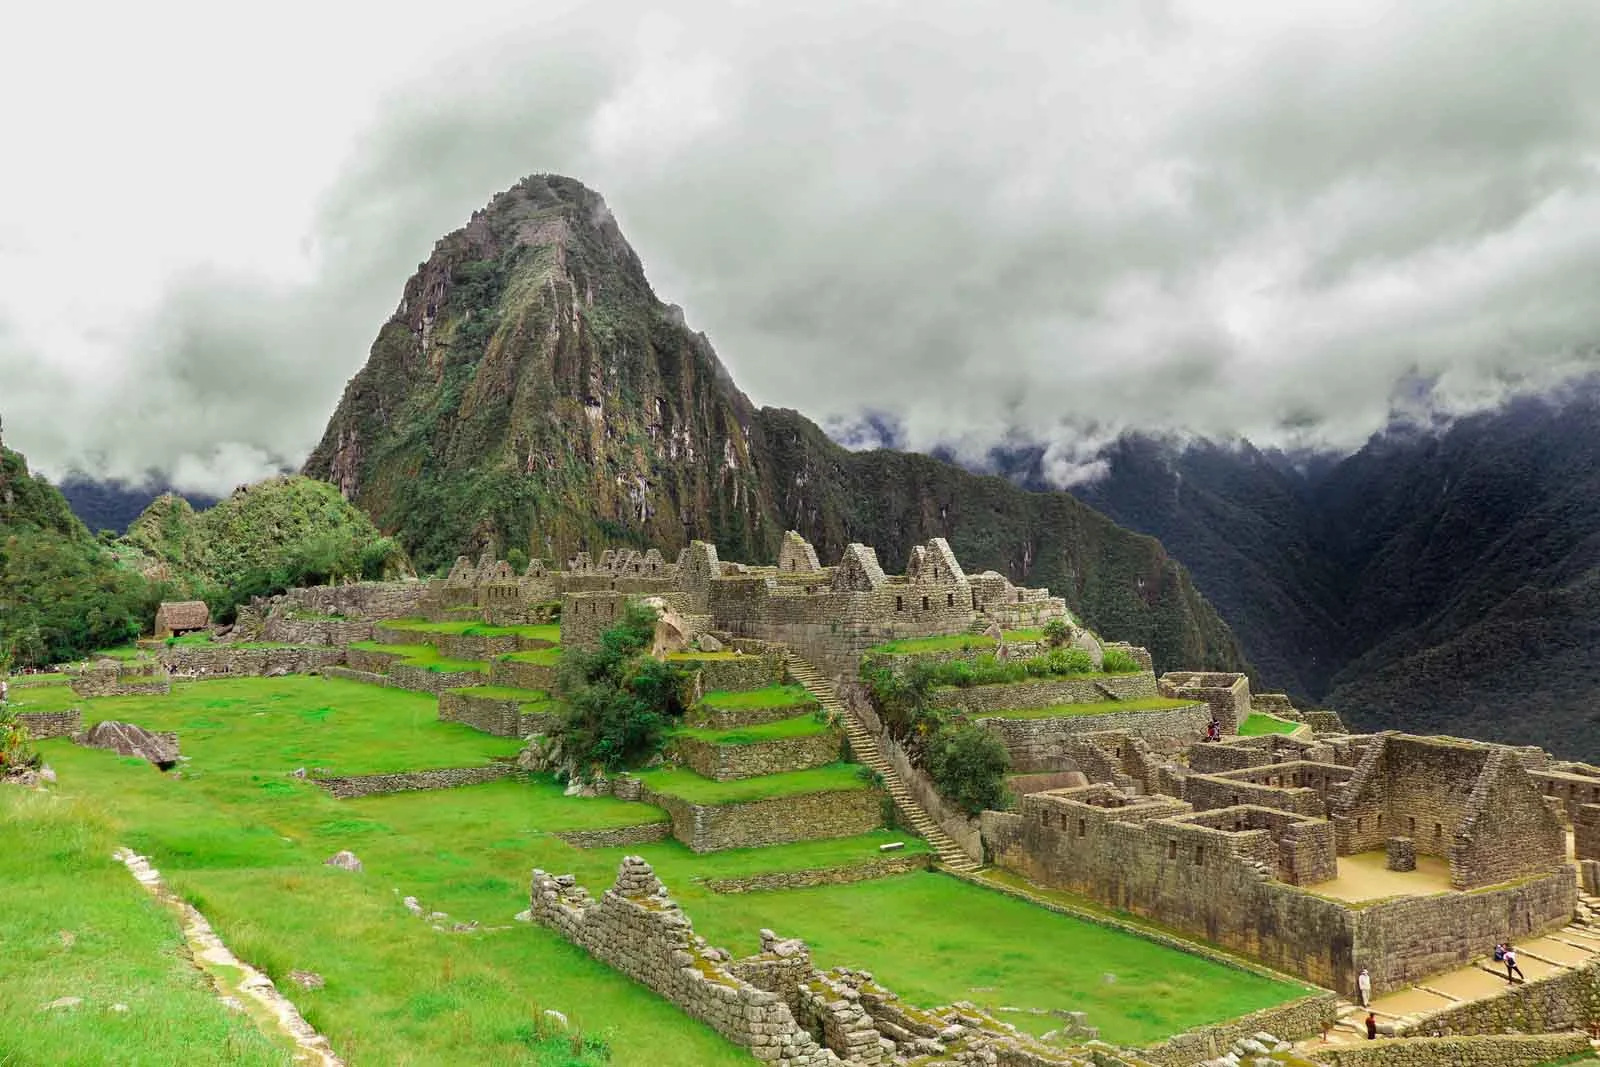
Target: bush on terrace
[620,702]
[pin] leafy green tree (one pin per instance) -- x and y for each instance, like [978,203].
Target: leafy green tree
[620,702]
[1056,632]
[969,765]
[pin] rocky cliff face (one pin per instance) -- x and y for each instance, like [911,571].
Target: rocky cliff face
[530,392]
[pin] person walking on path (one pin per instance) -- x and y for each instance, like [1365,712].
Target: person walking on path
[1364,987]
[1372,1027]
[1511,966]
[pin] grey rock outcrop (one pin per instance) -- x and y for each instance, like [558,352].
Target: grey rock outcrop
[124,738]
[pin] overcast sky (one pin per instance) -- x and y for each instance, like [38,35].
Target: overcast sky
[1041,219]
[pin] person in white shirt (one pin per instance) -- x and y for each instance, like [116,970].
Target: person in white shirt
[1364,985]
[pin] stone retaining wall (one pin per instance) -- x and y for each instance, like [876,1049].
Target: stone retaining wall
[739,674]
[777,821]
[248,662]
[977,700]
[619,836]
[289,630]
[515,675]
[1565,1000]
[1499,1050]
[369,662]
[351,675]
[492,715]
[855,872]
[727,762]
[366,785]
[1287,1022]
[422,680]
[709,717]
[1039,745]
[46,724]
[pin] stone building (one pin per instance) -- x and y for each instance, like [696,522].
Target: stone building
[176,618]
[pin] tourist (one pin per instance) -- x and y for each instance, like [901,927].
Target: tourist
[1372,1026]
[1364,987]
[1511,965]
[1213,730]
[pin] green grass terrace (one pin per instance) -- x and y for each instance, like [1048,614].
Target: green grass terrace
[1098,707]
[687,785]
[550,632]
[773,696]
[1256,724]
[544,657]
[425,656]
[782,730]
[530,699]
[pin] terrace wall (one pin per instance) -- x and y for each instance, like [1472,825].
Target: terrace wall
[711,717]
[289,630]
[492,715]
[725,762]
[774,821]
[1288,1022]
[884,867]
[423,680]
[248,662]
[362,600]
[366,785]
[514,674]
[42,725]
[1498,1050]
[738,674]
[618,837]
[1038,745]
[976,700]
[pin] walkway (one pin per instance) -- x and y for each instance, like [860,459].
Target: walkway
[864,746]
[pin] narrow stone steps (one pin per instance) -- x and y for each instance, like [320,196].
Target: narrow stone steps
[865,749]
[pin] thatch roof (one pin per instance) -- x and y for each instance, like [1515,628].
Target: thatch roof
[183,615]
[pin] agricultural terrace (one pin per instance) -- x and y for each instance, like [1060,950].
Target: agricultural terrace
[245,840]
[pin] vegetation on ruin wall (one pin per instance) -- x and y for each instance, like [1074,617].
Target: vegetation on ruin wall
[265,538]
[620,703]
[62,594]
[559,405]
[967,764]
[76,925]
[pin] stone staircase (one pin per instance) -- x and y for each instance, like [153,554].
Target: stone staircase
[865,748]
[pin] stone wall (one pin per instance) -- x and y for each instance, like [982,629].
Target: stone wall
[423,680]
[1586,832]
[515,674]
[1289,1022]
[297,630]
[777,821]
[586,614]
[370,662]
[711,717]
[111,678]
[636,929]
[350,674]
[726,762]
[493,715]
[736,674]
[1228,695]
[362,600]
[884,867]
[248,662]
[618,836]
[1499,1050]
[366,785]
[1573,790]
[975,700]
[46,724]
[1566,1000]
[1040,745]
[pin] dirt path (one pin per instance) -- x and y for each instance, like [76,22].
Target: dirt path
[238,984]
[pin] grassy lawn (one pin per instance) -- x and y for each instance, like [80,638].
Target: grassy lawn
[678,782]
[1099,707]
[504,692]
[76,924]
[540,631]
[1024,634]
[773,696]
[425,656]
[399,993]
[544,657]
[266,727]
[39,698]
[34,681]
[120,652]
[782,730]
[950,643]
[1256,724]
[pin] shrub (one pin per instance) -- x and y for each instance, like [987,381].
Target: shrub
[1117,661]
[15,752]
[968,764]
[620,702]
[1056,632]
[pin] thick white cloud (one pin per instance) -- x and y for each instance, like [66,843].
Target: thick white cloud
[1044,221]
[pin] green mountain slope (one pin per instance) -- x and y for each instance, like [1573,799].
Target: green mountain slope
[62,594]
[530,392]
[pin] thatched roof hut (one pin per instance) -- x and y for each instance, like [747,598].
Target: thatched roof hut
[181,617]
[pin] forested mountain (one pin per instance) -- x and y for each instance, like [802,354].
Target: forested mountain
[1434,581]
[113,505]
[531,392]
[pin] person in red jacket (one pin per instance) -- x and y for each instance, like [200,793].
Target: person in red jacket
[1372,1026]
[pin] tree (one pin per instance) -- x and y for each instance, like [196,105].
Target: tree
[620,702]
[969,766]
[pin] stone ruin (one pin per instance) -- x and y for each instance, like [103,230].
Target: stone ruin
[776,1003]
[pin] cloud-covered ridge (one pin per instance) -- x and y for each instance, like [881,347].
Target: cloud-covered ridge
[1251,219]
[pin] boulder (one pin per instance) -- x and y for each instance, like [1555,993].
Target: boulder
[307,979]
[1085,641]
[345,860]
[707,643]
[127,739]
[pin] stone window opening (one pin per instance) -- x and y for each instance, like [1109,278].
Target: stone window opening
[1438,829]
[924,603]
[1411,825]
[1236,798]
[1199,855]
[974,601]
[1358,824]
[1172,850]
[1083,827]
[1019,596]
[899,604]
[949,600]
[1380,820]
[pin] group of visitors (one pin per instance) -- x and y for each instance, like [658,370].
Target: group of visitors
[1503,953]
[1214,730]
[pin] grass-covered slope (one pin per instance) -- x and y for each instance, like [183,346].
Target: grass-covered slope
[531,392]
